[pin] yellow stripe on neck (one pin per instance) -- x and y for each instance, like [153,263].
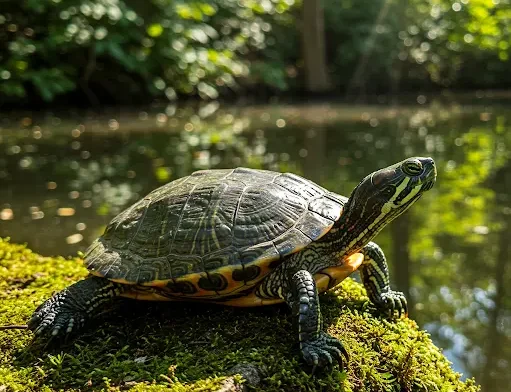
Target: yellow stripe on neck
[387,207]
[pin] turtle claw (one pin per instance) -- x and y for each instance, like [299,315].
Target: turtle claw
[323,351]
[54,318]
[392,301]
[405,306]
[345,355]
[68,310]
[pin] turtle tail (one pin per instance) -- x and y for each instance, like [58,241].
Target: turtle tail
[69,309]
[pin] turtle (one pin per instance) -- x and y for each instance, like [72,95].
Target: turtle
[245,237]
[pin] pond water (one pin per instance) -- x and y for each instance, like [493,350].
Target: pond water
[63,176]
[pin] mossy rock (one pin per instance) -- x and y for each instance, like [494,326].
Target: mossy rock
[150,346]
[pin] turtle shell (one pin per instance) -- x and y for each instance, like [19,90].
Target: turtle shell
[213,232]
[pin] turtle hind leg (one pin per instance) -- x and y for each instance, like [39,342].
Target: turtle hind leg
[374,272]
[69,309]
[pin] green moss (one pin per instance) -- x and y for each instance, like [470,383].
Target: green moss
[149,346]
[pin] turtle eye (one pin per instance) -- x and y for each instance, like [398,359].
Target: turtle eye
[412,167]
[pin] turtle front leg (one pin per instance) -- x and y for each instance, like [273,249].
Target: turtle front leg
[318,348]
[375,276]
[69,309]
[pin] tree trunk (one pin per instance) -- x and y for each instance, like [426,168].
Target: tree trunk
[313,41]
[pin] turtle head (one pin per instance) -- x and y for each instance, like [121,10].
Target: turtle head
[381,197]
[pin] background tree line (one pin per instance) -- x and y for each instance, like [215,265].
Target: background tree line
[125,51]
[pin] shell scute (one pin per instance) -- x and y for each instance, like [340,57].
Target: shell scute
[300,186]
[260,252]
[206,224]
[326,207]
[314,225]
[213,233]
[122,230]
[266,213]
[292,241]
[260,258]
[182,265]
[151,270]
[342,200]
[252,176]
[217,260]
[155,213]
[212,175]
[99,260]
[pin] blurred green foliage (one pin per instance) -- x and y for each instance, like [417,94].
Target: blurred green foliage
[130,51]
[115,47]
[404,44]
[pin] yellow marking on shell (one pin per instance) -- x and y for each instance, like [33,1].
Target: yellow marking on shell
[95,273]
[250,300]
[196,234]
[146,296]
[215,238]
[232,285]
[164,226]
[338,273]
[191,278]
[263,262]
[213,232]
[157,283]
[264,265]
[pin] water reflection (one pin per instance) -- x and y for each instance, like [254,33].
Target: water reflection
[63,178]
